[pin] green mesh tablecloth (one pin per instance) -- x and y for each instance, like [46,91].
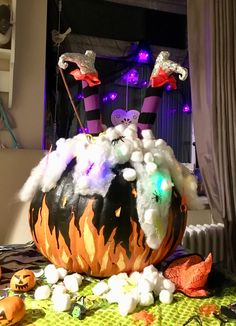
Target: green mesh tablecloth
[40,313]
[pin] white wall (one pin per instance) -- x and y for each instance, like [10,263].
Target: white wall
[28,113]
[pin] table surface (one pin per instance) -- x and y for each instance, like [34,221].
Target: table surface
[41,313]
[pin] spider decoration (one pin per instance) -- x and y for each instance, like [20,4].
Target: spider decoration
[116,140]
[156,196]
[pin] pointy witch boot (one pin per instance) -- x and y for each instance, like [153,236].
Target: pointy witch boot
[86,69]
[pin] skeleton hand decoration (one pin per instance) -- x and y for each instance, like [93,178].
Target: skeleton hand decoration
[85,63]
[163,69]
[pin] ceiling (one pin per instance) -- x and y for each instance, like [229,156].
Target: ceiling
[130,22]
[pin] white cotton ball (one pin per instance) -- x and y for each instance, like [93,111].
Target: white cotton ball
[134,292]
[71,283]
[137,156]
[42,292]
[120,128]
[123,276]
[144,285]
[137,144]
[52,276]
[111,134]
[124,149]
[148,144]
[168,285]
[152,241]
[150,216]
[129,174]
[159,158]
[151,167]
[166,296]
[58,290]
[132,127]
[130,133]
[166,185]
[62,273]
[62,302]
[113,296]
[146,299]
[100,288]
[135,277]
[83,182]
[78,277]
[160,143]
[126,305]
[148,157]
[150,269]
[48,269]
[147,134]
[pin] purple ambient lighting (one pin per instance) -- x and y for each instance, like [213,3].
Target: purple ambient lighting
[113,96]
[168,87]
[143,56]
[186,108]
[80,131]
[131,77]
[80,96]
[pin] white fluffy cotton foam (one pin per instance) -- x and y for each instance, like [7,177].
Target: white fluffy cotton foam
[153,167]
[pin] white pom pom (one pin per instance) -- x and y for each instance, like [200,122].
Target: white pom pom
[159,158]
[151,167]
[144,286]
[61,302]
[148,144]
[42,292]
[135,277]
[137,156]
[168,285]
[71,283]
[160,143]
[165,296]
[48,269]
[58,290]
[52,276]
[120,128]
[100,288]
[147,134]
[126,305]
[79,278]
[113,296]
[129,174]
[146,299]
[111,134]
[148,157]
[62,273]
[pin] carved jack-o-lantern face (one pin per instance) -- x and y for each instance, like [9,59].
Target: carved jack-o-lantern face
[12,310]
[23,281]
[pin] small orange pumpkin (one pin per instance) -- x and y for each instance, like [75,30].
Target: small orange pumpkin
[12,310]
[22,281]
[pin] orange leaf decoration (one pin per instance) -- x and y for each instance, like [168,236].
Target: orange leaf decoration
[189,274]
[143,315]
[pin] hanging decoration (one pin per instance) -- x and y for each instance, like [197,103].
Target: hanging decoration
[58,38]
[119,116]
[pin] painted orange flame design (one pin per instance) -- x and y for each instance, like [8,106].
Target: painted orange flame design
[89,254]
